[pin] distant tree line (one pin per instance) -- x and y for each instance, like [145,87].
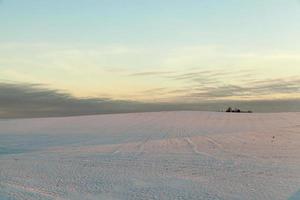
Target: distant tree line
[237,110]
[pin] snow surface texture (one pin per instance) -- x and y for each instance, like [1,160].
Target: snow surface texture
[163,155]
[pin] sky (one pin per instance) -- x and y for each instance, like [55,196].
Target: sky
[175,52]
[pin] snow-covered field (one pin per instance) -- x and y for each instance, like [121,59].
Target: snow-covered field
[163,155]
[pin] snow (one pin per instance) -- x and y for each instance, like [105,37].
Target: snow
[159,155]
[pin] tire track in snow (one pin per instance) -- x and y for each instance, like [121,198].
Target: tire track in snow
[141,147]
[195,149]
[214,143]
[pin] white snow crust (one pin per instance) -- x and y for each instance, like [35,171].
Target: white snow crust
[182,155]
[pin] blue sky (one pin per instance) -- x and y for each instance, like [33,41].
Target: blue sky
[124,49]
[258,22]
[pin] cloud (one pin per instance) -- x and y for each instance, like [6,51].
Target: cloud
[223,84]
[192,76]
[250,89]
[18,100]
[201,85]
[219,92]
[151,73]
[36,100]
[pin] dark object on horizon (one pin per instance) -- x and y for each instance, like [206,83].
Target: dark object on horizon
[236,110]
[229,109]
